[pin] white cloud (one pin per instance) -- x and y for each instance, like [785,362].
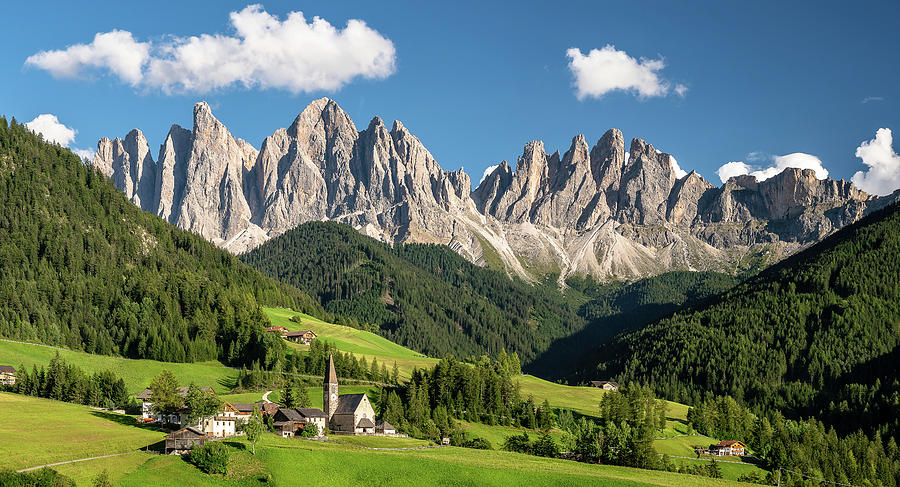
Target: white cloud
[487,172]
[604,70]
[679,172]
[51,129]
[779,164]
[265,52]
[732,169]
[85,153]
[872,98]
[116,51]
[883,175]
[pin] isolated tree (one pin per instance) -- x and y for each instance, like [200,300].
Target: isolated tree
[254,428]
[164,393]
[201,404]
[102,479]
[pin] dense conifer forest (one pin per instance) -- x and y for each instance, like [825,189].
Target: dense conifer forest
[84,268]
[815,335]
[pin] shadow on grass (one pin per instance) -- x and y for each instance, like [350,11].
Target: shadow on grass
[236,445]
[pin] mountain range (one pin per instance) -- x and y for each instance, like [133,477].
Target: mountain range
[600,211]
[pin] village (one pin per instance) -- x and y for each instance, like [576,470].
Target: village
[343,414]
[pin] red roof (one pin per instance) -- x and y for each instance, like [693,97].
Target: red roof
[729,443]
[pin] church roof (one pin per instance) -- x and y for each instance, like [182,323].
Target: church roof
[330,375]
[348,403]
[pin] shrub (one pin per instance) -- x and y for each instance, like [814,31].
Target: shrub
[479,444]
[545,446]
[310,431]
[212,457]
[518,443]
[45,477]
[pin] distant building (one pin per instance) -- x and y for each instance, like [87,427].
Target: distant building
[347,413]
[7,375]
[606,385]
[727,448]
[184,440]
[277,329]
[220,426]
[302,336]
[291,421]
[384,427]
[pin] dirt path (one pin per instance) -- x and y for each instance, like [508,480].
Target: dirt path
[75,461]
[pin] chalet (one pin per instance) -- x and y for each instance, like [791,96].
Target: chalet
[220,426]
[184,440]
[290,421]
[147,413]
[727,448]
[7,375]
[606,385]
[385,428]
[277,329]
[347,413]
[241,411]
[302,336]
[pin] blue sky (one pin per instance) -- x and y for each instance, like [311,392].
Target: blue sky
[475,81]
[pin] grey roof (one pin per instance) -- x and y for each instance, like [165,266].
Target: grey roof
[312,412]
[289,414]
[348,403]
[190,430]
[299,333]
[246,407]
[182,391]
[330,374]
[8,369]
[365,423]
[601,383]
[384,425]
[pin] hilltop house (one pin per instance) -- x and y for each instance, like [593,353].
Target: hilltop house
[727,448]
[606,385]
[277,329]
[147,413]
[347,413]
[7,375]
[289,422]
[302,336]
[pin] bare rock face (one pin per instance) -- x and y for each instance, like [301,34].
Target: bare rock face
[589,211]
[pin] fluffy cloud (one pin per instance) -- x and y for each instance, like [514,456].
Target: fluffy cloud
[779,164]
[53,130]
[604,70]
[487,172]
[679,172]
[883,175]
[294,54]
[872,98]
[50,127]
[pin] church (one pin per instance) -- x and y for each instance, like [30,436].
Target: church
[347,413]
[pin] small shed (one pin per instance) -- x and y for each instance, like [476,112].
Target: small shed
[606,385]
[184,440]
[385,428]
[365,425]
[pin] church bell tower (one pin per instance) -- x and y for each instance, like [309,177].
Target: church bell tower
[330,390]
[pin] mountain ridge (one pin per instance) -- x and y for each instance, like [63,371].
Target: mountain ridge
[590,211]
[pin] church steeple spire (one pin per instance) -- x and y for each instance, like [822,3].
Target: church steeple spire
[330,390]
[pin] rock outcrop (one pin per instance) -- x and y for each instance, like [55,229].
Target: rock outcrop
[592,210]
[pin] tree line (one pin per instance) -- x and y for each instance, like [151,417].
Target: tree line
[67,382]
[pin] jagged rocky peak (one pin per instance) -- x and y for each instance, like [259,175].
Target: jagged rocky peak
[645,186]
[608,160]
[129,164]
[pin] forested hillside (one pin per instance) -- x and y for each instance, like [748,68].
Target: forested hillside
[425,297]
[817,334]
[82,267]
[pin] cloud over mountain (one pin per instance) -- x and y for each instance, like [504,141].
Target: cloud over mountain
[49,127]
[883,175]
[779,164]
[293,54]
[601,71]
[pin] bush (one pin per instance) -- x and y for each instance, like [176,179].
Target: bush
[211,458]
[479,444]
[45,477]
[310,431]
[545,446]
[518,443]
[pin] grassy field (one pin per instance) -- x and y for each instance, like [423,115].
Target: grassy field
[497,434]
[80,432]
[136,373]
[360,343]
[38,431]
[382,441]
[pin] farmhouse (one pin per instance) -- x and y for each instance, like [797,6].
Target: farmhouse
[7,375]
[347,413]
[184,440]
[727,448]
[147,413]
[302,336]
[220,426]
[291,421]
[606,385]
